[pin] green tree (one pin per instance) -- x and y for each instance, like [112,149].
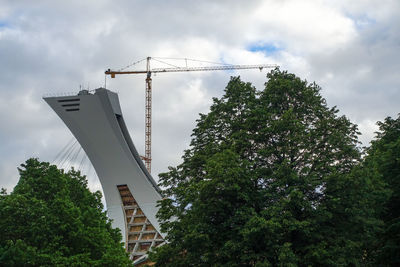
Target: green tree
[52,219]
[267,181]
[384,158]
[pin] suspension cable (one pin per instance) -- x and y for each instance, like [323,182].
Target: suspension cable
[67,156]
[62,150]
[166,63]
[191,59]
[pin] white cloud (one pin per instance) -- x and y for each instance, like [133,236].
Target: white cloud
[302,26]
[368,127]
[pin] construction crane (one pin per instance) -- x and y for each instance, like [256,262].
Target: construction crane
[148,107]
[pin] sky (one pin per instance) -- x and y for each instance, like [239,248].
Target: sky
[350,48]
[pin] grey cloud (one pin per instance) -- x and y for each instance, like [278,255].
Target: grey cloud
[53,47]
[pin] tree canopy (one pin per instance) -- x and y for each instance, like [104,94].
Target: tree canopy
[270,179]
[383,158]
[52,219]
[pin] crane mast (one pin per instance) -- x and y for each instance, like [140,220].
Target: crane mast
[148,107]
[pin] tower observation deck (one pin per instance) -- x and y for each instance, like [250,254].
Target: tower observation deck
[130,192]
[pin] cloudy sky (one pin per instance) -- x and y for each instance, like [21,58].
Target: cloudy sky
[350,48]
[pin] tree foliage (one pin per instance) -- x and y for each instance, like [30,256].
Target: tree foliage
[52,219]
[269,180]
[384,159]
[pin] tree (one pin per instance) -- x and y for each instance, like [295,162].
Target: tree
[264,183]
[52,219]
[383,157]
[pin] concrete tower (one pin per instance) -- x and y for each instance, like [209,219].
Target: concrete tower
[131,193]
